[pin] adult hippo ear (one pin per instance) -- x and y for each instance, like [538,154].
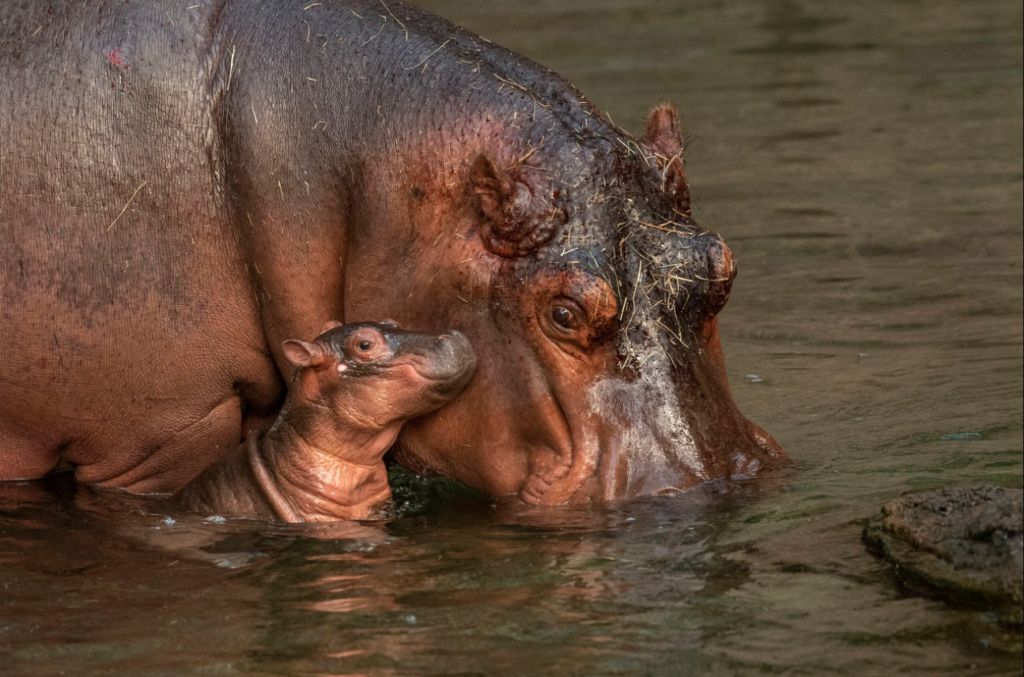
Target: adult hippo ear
[665,140]
[517,215]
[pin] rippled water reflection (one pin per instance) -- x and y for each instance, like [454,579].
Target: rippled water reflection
[864,160]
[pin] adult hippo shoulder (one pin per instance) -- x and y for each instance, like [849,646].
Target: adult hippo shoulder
[186,185]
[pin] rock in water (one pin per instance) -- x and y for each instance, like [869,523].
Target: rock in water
[966,545]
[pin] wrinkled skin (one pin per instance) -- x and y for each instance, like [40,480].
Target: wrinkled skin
[171,181]
[322,460]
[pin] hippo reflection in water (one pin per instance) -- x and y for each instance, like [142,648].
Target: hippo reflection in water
[179,198]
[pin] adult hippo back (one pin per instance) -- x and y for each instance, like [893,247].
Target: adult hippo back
[185,185]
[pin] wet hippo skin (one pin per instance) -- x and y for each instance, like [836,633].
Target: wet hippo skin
[323,458]
[186,187]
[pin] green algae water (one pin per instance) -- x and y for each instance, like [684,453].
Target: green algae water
[864,161]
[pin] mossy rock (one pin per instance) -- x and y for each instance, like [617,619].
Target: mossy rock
[966,545]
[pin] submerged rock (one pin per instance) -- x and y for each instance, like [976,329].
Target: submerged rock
[966,545]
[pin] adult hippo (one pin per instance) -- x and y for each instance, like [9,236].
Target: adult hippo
[185,185]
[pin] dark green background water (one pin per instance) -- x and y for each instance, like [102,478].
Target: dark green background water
[864,159]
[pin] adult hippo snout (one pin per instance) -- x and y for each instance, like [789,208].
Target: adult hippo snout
[668,420]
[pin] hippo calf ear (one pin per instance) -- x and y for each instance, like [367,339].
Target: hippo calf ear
[515,221]
[304,354]
[665,140]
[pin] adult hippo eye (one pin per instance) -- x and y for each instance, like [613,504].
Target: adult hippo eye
[565,316]
[575,309]
[365,345]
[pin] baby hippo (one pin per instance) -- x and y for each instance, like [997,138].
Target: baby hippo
[322,460]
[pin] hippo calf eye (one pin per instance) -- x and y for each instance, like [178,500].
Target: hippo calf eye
[366,345]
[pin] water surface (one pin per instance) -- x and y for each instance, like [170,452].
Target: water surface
[864,160]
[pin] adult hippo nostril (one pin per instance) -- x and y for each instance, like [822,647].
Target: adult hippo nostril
[722,262]
[721,274]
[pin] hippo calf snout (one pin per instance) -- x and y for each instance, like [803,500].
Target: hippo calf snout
[457,360]
[401,373]
[448,360]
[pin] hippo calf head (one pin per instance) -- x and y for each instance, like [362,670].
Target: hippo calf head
[567,254]
[375,376]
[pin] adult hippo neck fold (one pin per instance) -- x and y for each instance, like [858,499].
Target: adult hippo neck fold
[392,166]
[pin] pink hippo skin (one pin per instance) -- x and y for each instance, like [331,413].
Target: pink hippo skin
[322,460]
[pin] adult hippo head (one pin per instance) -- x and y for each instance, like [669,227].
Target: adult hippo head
[565,249]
